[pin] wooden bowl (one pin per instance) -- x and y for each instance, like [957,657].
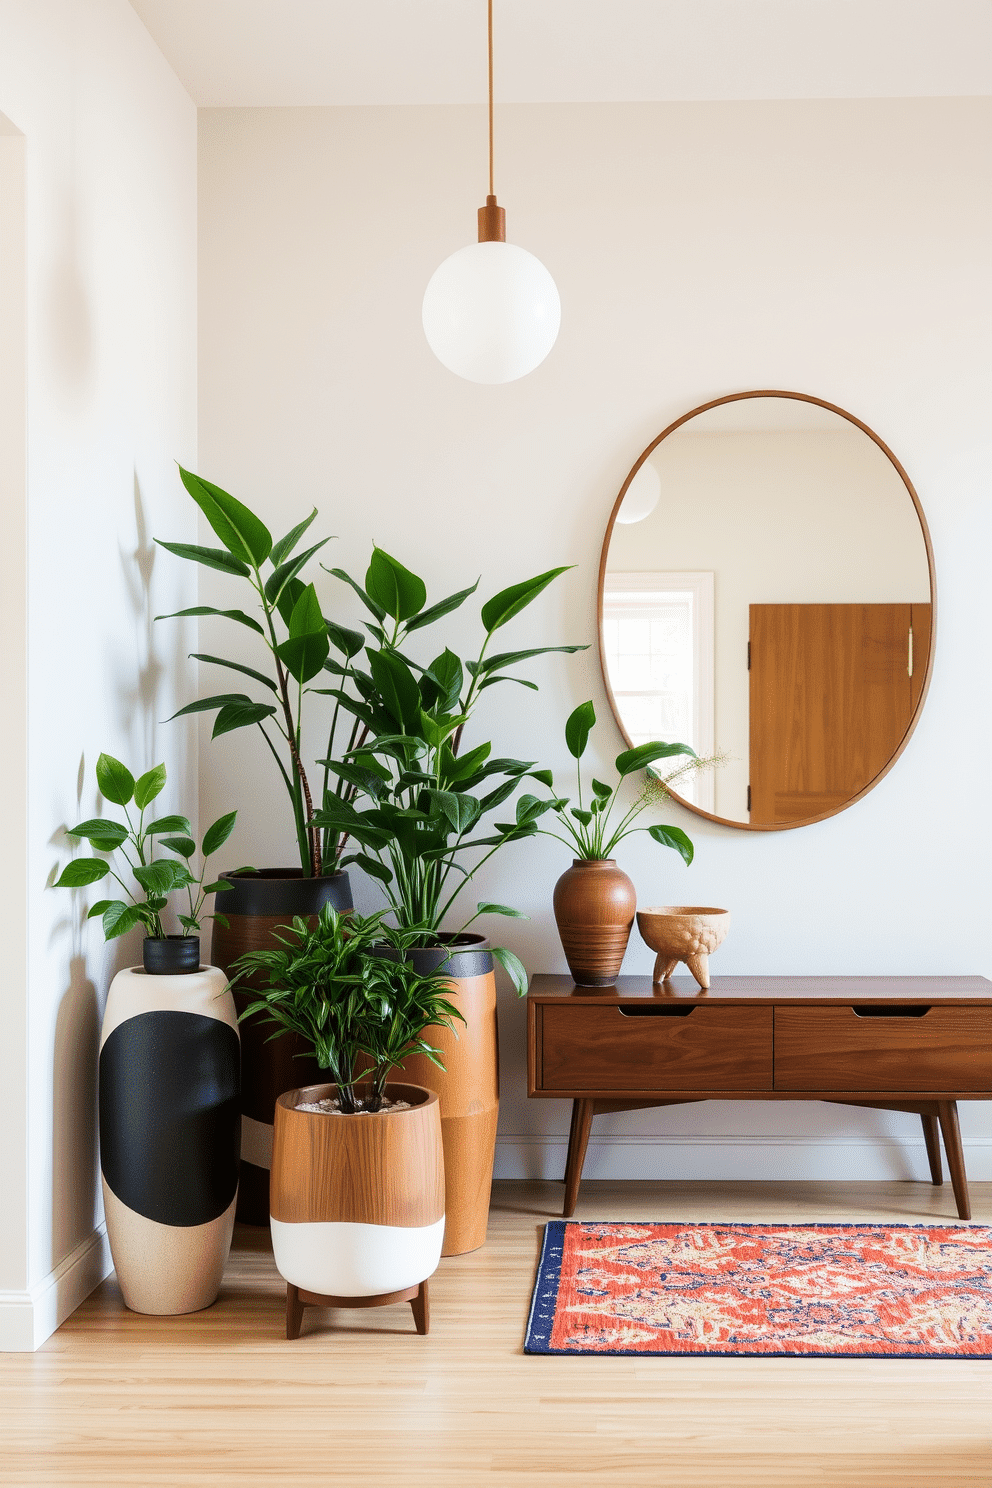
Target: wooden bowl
[683,932]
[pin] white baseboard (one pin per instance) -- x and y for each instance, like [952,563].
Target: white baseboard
[30,1316]
[841,1159]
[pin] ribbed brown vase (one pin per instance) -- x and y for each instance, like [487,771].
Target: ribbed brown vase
[255,906]
[594,906]
[468,1085]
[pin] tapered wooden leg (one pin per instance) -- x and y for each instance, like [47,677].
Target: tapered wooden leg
[421,1305]
[931,1135]
[578,1141]
[294,1311]
[951,1132]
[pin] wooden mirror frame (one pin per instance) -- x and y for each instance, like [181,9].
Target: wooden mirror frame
[842,412]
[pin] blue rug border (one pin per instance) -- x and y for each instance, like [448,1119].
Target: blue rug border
[544,1300]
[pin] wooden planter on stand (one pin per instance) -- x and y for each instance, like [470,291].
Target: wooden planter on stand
[255,906]
[468,1086]
[357,1203]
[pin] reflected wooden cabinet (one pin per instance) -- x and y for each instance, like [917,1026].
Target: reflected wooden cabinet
[916,1044]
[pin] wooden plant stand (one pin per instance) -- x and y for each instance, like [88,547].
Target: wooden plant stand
[297,1299]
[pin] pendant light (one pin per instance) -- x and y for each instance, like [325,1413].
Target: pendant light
[491,311]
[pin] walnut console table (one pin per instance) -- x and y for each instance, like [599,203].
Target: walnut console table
[917,1044]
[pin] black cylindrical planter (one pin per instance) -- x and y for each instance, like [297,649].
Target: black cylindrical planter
[170,955]
[255,905]
[169,1135]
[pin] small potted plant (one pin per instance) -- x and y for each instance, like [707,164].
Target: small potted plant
[357,1186]
[169,1058]
[594,900]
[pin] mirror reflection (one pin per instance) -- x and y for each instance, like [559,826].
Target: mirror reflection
[766,595]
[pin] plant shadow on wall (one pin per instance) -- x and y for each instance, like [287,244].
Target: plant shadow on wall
[137,567]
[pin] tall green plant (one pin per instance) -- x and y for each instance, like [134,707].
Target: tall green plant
[332,984]
[416,801]
[294,638]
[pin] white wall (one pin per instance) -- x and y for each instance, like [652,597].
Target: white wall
[837,248]
[110,149]
[786,516]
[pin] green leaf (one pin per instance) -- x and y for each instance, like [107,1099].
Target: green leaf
[543,777]
[578,726]
[443,679]
[509,602]
[238,615]
[159,877]
[148,786]
[443,607]
[104,835]
[209,557]
[604,792]
[529,808]
[372,867]
[394,588]
[369,603]
[282,549]
[170,824]
[510,658]
[673,837]
[235,666]
[514,968]
[184,846]
[585,817]
[215,888]
[348,642]
[638,759]
[460,810]
[206,705]
[239,529]
[276,582]
[216,835]
[503,909]
[119,918]
[521,682]
[82,871]
[397,687]
[240,715]
[189,922]
[287,599]
[305,652]
[99,907]
[114,779]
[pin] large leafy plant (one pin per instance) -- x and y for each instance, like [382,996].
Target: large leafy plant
[347,988]
[135,841]
[413,802]
[295,642]
[592,829]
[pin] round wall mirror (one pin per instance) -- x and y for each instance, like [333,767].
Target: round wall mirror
[766,594]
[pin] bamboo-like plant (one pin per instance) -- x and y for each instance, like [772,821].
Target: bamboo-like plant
[421,799]
[156,877]
[346,987]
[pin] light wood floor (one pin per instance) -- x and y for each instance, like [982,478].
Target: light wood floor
[221,1398]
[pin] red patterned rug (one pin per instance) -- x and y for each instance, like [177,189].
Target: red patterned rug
[898,1291]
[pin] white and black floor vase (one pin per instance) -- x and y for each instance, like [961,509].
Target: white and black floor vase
[170,1065]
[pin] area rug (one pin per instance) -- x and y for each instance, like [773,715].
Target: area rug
[894,1291]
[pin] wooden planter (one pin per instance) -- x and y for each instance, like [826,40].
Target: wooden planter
[255,905]
[594,904]
[169,1135]
[468,1086]
[357,1201]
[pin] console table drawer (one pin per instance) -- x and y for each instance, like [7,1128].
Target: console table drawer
[891,1048]
[656,1047]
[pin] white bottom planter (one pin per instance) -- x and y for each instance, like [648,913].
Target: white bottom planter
[356,1260]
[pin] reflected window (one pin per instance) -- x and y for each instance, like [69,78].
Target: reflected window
[658,641]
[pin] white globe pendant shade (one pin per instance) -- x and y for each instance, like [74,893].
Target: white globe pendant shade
[643,495]
[491,312]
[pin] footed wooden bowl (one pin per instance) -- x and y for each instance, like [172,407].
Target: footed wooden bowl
[683,932]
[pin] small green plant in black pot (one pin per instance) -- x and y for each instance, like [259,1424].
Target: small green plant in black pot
[154,878]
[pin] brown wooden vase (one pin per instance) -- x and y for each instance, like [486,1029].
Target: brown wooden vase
[468,1085]
[594,905]
[255,906]
[357,1201]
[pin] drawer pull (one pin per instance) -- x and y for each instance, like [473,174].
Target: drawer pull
[908,1011]
[655,1010]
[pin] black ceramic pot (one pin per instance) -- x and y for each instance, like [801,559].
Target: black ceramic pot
[256,905]
[171,955]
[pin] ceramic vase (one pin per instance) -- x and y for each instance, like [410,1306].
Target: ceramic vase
[169,1135]
[468,1086]
[255,906]
[594,903]
[357,1201]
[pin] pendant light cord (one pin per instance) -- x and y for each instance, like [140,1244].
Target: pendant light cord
[492,189]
